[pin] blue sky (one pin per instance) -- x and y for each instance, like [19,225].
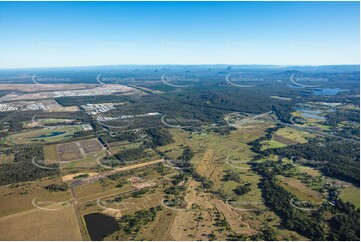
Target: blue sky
[43,34]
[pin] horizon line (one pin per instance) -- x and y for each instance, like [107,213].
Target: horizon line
[104,65]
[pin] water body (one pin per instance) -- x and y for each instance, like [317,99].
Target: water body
[294,86]
[53,134]
[99,225]
[323,91]
[310,113]
[328,91]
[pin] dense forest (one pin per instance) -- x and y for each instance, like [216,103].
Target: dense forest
[283,112]
[341,115]
[132,154]
[159,137]
[81,100]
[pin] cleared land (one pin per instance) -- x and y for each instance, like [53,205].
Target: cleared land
[272,144]
[291,136]
[89,146]
[351,194]
[37,224]
[96,176]
[78,150]
[41,122]
[36,92]
[4,158]
[50,154]
[206,166]
[44,87]
[300,190]
[18,198]
[68,152]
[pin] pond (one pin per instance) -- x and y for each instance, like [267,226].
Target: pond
[53,134]
[99,225]
[309,113]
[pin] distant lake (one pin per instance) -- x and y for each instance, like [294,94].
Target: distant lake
[100,226]
[328,91]
[53,134]
[323,91]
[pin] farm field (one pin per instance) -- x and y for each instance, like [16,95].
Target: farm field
[56,224]
[68,152]
[351,194]
[79,154]
[86,164]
